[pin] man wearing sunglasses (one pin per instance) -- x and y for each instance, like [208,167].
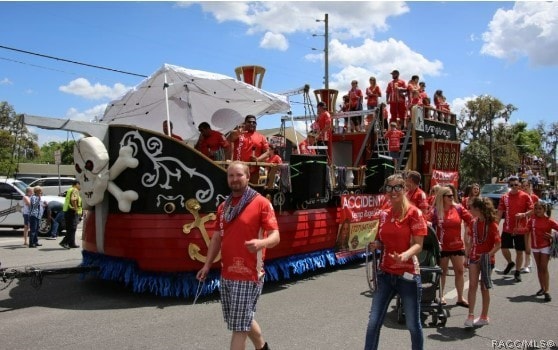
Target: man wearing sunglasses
[514,206]
[251,146]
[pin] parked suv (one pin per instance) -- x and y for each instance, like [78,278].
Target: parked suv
[494,192]
[54,186]
[11,202]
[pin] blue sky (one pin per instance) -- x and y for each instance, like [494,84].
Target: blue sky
[504,49]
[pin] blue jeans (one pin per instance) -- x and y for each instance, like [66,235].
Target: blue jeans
[56,221]
[33,230]
[410,291]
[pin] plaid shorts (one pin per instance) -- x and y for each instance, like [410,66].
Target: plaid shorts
[238,300]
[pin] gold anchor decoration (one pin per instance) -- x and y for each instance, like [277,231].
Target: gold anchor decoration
[193,206]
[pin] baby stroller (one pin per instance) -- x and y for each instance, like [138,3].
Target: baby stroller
[430,274]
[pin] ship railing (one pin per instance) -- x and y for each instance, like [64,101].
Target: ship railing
[339,129]
[354,177]
[439,115]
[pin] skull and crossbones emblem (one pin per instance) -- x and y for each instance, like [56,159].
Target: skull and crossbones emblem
[91,160]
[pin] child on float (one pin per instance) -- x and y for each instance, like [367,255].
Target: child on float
[481,243]
[540,229]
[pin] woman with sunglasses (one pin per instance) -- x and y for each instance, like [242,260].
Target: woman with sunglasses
[400,236]
[447,217]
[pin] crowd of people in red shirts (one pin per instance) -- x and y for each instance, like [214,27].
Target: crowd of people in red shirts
[526,229]
[401,96]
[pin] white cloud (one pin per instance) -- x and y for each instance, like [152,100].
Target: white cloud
[352,19]
[82,87]
[376,59]
[357,20]
[87,115]
[530,29]
[274,41]
[6,81]
[458,104]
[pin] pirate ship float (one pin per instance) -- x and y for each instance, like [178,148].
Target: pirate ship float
[152,198]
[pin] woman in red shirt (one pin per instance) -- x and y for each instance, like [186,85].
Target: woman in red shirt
[446,217]
[540,228]
[481,243]
[400,235]
[373,92]
[473,193]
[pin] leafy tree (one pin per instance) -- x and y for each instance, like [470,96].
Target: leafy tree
[16,142]
[480,116]
[66,149]
[549,143]
[474,163]
[482,126]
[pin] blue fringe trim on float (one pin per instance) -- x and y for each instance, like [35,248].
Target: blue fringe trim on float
[185,284]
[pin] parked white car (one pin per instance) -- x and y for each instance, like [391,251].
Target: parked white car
[53,186]
[11,202]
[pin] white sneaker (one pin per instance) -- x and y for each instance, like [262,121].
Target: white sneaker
[481,322]
[469,322]
[526,269]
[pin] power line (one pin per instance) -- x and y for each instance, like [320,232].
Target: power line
[70,61]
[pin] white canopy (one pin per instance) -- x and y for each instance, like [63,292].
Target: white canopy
[193,97]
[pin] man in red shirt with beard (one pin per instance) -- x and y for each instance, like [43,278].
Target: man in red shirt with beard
[250,146]
[247,226]
[395,95]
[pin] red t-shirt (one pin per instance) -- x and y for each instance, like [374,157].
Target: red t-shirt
[448,228]
[176,137]
[324,126]
[275,159]
[211,144]
[355,97]
[395,235]
[538,226]
[303,146]
[512,204]
[373,93]
[394,95]
[394,139]
[418,198]
[249,143]
[482,242]
[413,92]
[237,263]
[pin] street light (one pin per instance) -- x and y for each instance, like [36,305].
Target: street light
[326,49]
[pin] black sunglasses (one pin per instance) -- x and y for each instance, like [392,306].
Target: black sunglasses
[396,188]
[448,195]
[514,185]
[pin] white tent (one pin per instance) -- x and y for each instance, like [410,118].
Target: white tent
[193,97]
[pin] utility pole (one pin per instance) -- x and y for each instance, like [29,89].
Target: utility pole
[326,49]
